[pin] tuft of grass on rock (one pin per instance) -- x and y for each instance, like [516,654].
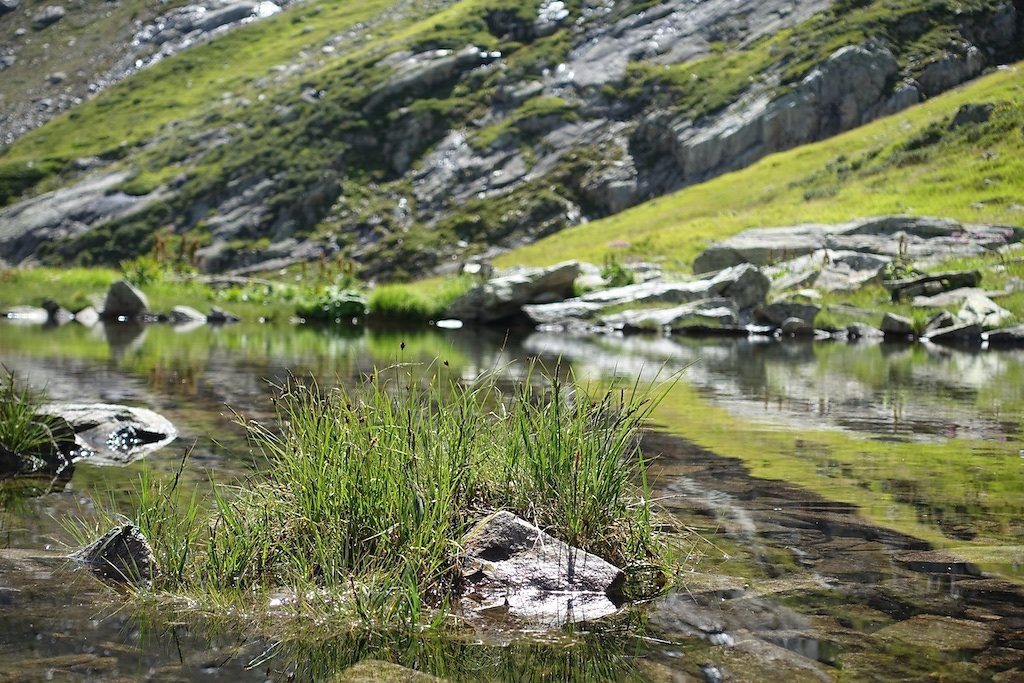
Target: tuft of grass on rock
[366,492]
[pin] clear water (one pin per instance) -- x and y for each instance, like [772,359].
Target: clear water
[847,512]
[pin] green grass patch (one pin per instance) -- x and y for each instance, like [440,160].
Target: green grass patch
[365,493]
[424,300]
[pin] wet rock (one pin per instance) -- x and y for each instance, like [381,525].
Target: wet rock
[509,564]
[124,300]
[186,314]
[778,312]
[114,434]
[218,316]
[897,326]
[88,316]
[971,113]
[47,17]
[857,331]
[945,634]
[978,309]
[506,296]
[377,671]
[27,315]
[1007,336]
[122,554]
[930,285]
[957,334]
[796,327]
[56,314]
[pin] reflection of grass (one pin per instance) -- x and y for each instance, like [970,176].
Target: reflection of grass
[366,493]
[920,489]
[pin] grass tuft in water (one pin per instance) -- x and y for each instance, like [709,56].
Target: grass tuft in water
[367,492]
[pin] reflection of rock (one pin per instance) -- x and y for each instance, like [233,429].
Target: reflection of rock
[122,554]
[114,434]
[52,456]
[123,336]
[87,316]
[510,565]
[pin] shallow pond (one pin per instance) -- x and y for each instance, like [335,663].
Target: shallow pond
[848,512]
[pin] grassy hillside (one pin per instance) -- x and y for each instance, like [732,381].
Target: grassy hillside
[910,163]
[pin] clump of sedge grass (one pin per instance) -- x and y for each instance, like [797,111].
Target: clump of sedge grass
[367,492]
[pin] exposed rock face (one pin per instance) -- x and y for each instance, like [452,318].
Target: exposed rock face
[920,239]
[122,555]
[506,296]
[124,300]
[62,214]
[506,561]
[110,434]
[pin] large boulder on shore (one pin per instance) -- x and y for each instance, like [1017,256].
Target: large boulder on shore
[504,297]
[124,300]
[509,564]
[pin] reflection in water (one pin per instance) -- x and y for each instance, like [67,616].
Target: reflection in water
[893,448]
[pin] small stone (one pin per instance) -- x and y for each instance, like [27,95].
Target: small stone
[48,16]
[122,554]
[57,77]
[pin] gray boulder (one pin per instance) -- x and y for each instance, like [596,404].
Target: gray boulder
[124,300]
[897,326]
[957,334]
[88,316]
[228,14]
[716,311]
[978,309]
[505,296]
[110,434]
[1007,336]
[122,555]
[186,314]
[857,331]
[778,312]
[47,16]
[796,327]
[510,564]
[8,6]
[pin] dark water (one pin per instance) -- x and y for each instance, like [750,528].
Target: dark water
[845,512]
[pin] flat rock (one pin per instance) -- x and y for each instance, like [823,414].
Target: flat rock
[957,334]
[719,311]
[945,634]
[114,434]
[506,296]
[511,566]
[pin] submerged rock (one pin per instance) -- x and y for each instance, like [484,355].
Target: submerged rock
[510,565]
[122,554]
[944,634]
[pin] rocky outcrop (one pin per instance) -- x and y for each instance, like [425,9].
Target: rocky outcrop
[507,296]
[917,238]
[122,555]
[744,285]
[418,74]
[510,564]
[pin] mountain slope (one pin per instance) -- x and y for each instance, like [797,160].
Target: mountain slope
[407,135]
